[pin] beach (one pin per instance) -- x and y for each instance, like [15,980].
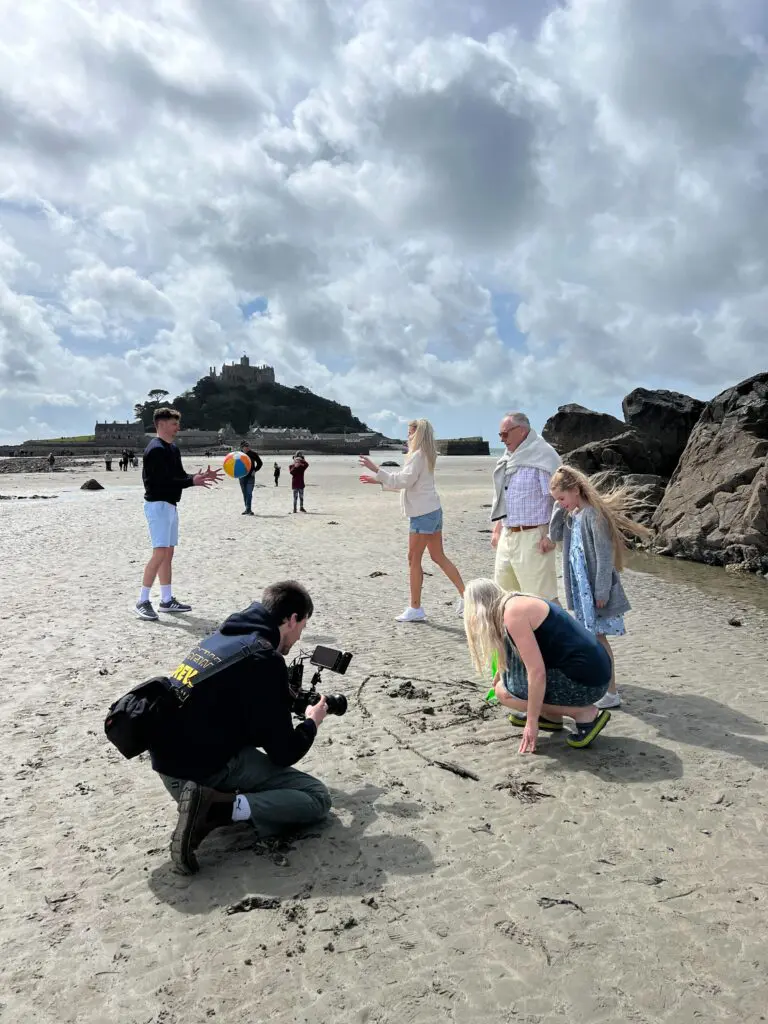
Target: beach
[625,882]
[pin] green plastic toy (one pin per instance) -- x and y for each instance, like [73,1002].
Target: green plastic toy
[491,697]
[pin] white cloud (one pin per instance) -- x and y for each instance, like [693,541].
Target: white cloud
[387,176]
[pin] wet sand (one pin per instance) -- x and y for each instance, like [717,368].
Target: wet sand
[622,883]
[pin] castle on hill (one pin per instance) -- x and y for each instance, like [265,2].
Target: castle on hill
[243,373]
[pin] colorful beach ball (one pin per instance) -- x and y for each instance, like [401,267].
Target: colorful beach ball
[237,464]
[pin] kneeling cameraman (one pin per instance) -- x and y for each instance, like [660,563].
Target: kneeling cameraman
[207,757]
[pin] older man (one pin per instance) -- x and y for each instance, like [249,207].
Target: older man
[522,506]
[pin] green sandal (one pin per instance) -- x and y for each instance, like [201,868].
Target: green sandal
[519,718]
[587,731]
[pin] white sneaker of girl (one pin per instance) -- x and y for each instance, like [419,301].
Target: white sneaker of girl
[610,700]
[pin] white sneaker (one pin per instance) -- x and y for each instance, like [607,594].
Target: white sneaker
[610,700]
[412,615]
[460,606]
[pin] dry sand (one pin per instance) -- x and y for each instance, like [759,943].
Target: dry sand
[622,883]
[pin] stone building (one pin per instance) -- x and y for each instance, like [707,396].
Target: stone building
[120,432]
[243,373]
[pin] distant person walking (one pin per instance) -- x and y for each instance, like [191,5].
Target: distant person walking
[522,508]
[108,462]
[419,501]
[276,474]
[297,469]
[51,462]
[247,482]
[592,527]
[164,480]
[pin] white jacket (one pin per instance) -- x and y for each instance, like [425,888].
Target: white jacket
[416,483]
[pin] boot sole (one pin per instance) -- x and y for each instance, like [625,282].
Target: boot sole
[182,854]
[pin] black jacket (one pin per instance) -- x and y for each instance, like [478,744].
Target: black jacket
[163,474]
[245,705]
[256,463]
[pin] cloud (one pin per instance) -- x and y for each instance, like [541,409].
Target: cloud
[445,209]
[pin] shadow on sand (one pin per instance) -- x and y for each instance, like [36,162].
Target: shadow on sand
[334,859]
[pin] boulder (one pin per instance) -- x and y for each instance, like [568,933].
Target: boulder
[91,485]
[666,418]
[715,508]
[573,426]
[629,452]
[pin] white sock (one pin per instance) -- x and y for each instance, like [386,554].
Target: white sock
[144,595]
[241,809]
[166,592]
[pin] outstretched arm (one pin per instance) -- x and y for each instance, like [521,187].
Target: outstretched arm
[517,619]
[402,479]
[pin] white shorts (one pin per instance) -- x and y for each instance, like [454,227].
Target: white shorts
[520,566]
[163,521]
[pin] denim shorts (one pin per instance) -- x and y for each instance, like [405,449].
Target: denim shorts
[163,521]
[430,522]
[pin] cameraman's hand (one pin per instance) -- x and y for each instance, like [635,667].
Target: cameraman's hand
[317,712]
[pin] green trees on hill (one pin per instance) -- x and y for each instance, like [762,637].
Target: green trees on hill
[211,404]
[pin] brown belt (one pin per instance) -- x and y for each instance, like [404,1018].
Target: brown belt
[519,529]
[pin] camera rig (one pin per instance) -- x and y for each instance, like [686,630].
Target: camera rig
[321,658]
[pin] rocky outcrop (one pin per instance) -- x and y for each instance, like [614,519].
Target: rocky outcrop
[629,452]
[91,485]
[40,465]
[573,426]
[666,418]
[715,508]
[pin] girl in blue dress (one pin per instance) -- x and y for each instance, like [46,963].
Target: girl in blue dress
[593,528]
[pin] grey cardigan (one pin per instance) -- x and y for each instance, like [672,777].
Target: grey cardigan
[598,550]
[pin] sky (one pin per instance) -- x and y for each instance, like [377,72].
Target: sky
[445,209]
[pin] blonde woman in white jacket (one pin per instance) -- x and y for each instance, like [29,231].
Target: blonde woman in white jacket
[421,503]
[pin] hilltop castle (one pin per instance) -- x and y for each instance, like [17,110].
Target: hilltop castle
[243,373]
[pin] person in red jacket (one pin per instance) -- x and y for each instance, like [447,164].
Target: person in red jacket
[297,469]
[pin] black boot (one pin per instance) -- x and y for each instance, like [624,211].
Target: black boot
[201,810]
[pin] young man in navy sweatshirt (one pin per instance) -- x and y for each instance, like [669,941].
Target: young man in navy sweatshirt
[164,480]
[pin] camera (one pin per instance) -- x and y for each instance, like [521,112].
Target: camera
[321,658]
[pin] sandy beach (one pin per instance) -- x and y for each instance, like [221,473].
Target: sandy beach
[626,882]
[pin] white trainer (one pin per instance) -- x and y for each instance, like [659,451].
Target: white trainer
[610,700]
[412,615]
[460,606]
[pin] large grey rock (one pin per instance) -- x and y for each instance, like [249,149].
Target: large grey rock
[715,508]
[666,418]
[629,452]
[573,426]
[91,485]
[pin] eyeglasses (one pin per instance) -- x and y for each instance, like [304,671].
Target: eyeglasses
[506,433]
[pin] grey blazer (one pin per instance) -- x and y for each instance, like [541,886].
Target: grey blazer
[598,550]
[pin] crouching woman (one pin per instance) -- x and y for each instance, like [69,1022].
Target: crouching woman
[549,665]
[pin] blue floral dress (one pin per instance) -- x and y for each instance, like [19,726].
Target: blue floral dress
[584,607]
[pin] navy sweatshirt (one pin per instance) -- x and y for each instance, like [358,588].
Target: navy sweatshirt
[247,704]
[163,474]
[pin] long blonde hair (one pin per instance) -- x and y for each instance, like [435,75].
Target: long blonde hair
[423,437]
[613,506]
[484,604]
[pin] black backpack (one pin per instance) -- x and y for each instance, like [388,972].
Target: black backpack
[133,719]
[137,717]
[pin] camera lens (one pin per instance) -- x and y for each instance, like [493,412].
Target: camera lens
[336,703]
